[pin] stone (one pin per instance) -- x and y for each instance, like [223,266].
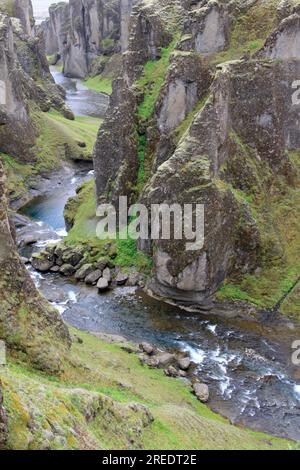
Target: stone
[102,263]
[84,271]
[121,279]
[55,269]
[165,359]
[171,371]
[201,391]
[103,284]
[42,261]
[73,257]
[184,363]
[107,274]
[147,348]
[67,270]
[93,277]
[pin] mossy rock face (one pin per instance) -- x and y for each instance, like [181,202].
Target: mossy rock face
[28,324]
[3,422]
[233,153]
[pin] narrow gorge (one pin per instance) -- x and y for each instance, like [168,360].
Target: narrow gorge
[138,343]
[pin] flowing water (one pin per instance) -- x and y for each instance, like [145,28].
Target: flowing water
[81,100]
[246,365]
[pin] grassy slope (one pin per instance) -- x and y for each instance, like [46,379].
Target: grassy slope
[82,129]
[56,134]
[97,367]
[99,84]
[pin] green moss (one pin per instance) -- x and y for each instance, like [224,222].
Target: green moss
[19,176]
[275,212]
[250,30]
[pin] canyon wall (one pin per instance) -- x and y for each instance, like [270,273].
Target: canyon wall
[222,135]
[83,31]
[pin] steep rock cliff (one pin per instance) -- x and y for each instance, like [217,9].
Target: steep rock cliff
[222,145]
[83,31]
[28,324]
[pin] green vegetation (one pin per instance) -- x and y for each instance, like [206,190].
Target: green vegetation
[82,129]
[19,176]
[250,31]
[99,84]
[276,213]
[82,210]
[141,155]
[152,80]
[92,406]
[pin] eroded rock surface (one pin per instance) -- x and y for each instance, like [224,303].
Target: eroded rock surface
[28,324]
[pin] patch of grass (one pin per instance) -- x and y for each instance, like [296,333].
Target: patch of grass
[90,407]
[82,129]
[99,84]
[152,80]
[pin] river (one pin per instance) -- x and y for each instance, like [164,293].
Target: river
[246,365]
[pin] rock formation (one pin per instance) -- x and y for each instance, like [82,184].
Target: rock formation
[27,322]
[3,422]
[210,135]
[81,32]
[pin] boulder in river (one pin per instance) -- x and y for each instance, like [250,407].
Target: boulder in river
[107,274]
[84,271]
[165,359]
[184,363]
[73,256]
[201,391]
[147,348]
[121,279]
[42,261]
[93,277]
[67,270]
[102,284]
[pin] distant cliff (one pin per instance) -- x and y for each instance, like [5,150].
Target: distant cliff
[83,31]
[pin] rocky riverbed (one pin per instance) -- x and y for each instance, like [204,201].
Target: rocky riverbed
[246,365]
